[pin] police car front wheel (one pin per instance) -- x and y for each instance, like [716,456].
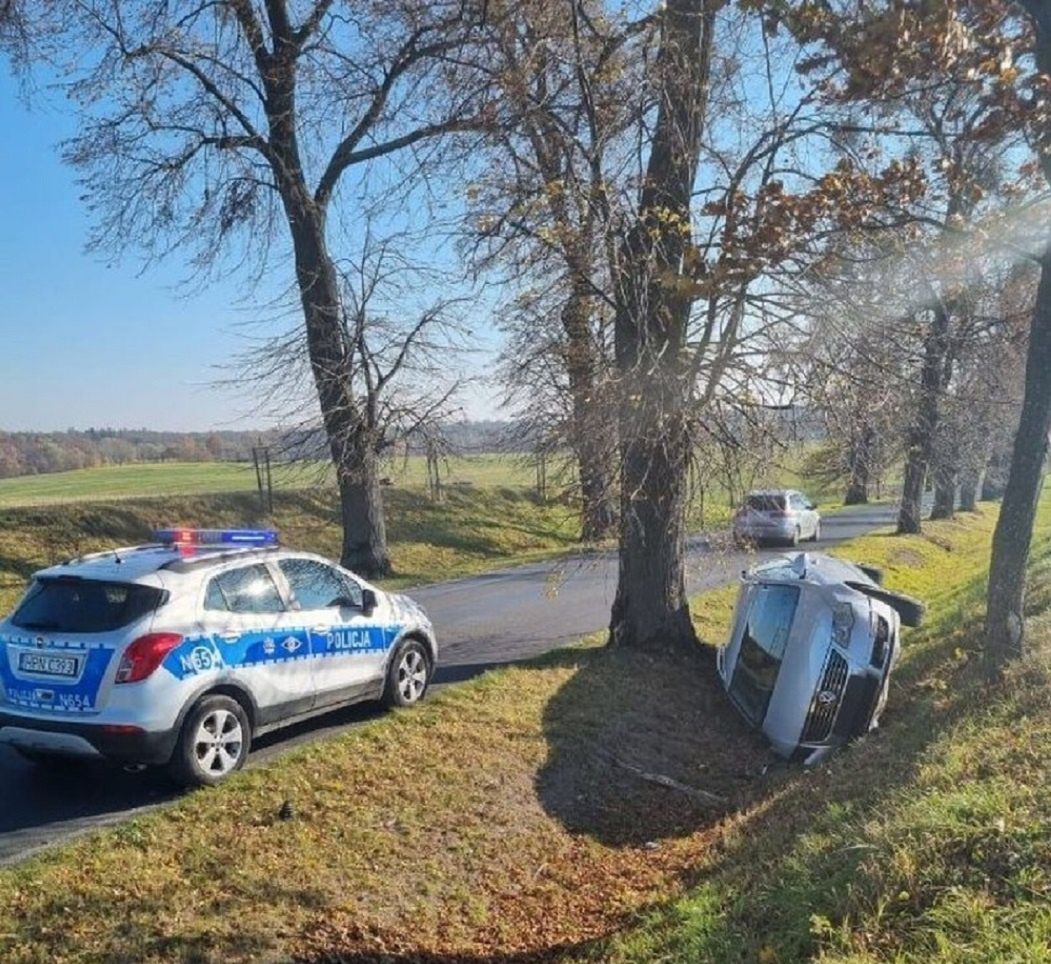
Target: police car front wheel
[214,742]
[408,675]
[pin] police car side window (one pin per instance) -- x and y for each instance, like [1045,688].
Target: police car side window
[317,586]
[249,589]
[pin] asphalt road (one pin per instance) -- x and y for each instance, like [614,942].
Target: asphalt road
[483,621]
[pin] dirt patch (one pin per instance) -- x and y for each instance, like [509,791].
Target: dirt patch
[904,556]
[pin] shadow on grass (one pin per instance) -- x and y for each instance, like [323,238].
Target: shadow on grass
[758,893]
[624,723]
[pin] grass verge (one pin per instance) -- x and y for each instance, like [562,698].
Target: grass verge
[471,530]
[506,818]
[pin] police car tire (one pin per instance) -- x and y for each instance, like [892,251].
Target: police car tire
[392,691]
[184,766]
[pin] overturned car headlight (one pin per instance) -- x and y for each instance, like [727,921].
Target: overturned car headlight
[842,624]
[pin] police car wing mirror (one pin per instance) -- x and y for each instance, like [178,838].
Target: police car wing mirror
[368,601]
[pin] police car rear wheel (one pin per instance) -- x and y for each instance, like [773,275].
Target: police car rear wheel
[409,675]
[214,743]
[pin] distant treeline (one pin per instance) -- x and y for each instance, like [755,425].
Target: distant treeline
[35,453]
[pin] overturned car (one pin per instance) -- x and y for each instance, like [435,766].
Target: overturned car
[813,643]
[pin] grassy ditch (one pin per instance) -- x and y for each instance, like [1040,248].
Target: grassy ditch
[507,819]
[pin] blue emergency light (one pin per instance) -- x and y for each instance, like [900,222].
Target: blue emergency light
[216,537]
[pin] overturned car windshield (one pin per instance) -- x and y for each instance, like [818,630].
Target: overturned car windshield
[770,613]
[84,605]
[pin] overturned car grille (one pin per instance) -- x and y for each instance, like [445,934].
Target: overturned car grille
[827,697]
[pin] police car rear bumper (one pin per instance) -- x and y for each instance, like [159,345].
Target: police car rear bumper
[121,744]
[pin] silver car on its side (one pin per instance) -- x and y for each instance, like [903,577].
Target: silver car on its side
[776,515]
[813,643]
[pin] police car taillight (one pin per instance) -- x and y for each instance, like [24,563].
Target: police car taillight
[144,655]
[216,537]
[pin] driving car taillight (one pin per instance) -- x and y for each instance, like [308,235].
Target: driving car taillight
[144,655]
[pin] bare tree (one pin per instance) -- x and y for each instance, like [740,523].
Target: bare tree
[207,122]
[541,211]
[400,337]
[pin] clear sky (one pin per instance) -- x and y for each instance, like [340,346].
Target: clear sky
[83,343]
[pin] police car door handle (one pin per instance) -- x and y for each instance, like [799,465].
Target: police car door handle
[229,637]
[321,629]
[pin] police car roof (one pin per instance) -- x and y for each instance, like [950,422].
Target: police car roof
[132,563]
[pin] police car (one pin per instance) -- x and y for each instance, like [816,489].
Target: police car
[180,652]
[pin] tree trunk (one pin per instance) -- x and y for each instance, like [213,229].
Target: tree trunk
[944,491]
[925,423]
[361,508]
[1005,613]
[349,437]
[860,455]
[592,428]
[652,312]
[970,484]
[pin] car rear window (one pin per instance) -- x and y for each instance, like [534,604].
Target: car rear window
[84,605]
[766,503]
[771,611]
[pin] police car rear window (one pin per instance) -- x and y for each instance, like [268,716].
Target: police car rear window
[84,605]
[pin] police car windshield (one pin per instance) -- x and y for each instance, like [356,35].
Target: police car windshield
[84,605]
[770,614]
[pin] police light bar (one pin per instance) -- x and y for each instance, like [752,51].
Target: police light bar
[216,537]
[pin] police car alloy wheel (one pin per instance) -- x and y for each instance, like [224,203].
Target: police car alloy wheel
[214,743]
[409,674]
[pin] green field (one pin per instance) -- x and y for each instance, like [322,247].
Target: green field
[202,478]
[199,478]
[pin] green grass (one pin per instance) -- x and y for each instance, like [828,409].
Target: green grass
[503,818]
[471,530]
[199,478]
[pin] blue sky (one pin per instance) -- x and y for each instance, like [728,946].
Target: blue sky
[85,343]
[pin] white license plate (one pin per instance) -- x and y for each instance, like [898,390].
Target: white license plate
[44,665]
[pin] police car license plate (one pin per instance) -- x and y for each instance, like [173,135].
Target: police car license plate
[44,665]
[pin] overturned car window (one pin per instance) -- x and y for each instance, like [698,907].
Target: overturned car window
[84,605]
[770,613]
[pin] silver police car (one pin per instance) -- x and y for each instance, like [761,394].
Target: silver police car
[180,652]
[813,643]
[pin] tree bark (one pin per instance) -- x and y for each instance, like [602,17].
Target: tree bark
[1005,612]
[970,484]
[860,454]
[924,425]
[347,430]
[592,431]
[349,436]
[944,491]
[652,313]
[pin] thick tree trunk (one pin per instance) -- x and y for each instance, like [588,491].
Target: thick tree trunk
[361,508]
[650,608]
[1005,613]
[970,484]
[944,491]
[347,430]
[592,429]
[860,455]
[348,434]
[924,424]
